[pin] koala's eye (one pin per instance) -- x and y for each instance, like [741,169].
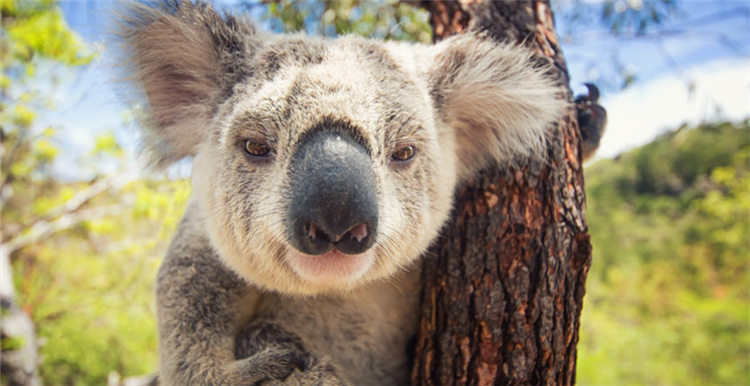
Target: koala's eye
[403,154]
[257,149]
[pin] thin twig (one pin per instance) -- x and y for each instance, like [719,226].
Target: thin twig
[43,229]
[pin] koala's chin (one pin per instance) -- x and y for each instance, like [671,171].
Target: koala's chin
[330,267]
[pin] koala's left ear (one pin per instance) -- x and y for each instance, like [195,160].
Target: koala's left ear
[496,97]
[185,56]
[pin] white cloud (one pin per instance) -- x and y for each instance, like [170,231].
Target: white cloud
[640,113]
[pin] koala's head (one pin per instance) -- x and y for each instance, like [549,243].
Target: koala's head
[320,165]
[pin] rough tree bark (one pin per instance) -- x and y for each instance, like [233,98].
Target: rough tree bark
[504,285]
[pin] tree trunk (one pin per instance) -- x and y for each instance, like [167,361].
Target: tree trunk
[504,284]
[19,360]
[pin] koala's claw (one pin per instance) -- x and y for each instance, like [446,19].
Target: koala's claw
[271,363]
[319,374]
[272,356]
[277,366]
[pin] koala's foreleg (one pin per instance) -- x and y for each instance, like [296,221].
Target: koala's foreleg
[202,307]
[195,296]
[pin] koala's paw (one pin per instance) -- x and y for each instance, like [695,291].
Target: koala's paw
[271,355]
[269,363]
[319,374]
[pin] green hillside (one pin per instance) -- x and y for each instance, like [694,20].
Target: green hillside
[668,294]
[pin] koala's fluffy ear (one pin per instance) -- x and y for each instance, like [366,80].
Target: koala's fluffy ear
[185,56]
[498,99]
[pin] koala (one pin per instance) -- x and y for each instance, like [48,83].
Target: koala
[322,170]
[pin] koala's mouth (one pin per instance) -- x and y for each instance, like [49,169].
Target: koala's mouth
[336,264]
[333,267]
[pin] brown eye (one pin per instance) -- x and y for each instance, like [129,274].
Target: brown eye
[257,149]
[403,154]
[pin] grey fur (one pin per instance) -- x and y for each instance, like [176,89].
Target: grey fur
[236,304]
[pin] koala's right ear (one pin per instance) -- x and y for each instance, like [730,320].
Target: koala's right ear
[499,99]
[185,56]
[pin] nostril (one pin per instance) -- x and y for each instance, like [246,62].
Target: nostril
[314,238]
[310,238]
[359,232]
[357,239]
[312,231]
[316,234]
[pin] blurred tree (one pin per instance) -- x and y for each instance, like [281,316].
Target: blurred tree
[667,295]
[30,29]
[69,273]
[384,19]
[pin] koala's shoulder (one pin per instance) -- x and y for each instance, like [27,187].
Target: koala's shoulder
[191,257]
[190,235]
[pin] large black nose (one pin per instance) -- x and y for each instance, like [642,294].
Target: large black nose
[333,197]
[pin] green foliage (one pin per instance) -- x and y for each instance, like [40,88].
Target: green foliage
[383,19]
[667,299]
[32,31]
[12,343]
[37,28]
[90,289]
[84,254]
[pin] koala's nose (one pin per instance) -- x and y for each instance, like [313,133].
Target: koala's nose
[333,200]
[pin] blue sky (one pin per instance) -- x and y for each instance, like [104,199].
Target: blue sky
[693,68]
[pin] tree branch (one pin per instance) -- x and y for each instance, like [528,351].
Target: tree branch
[87,193]
[43,229]
[77,201]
